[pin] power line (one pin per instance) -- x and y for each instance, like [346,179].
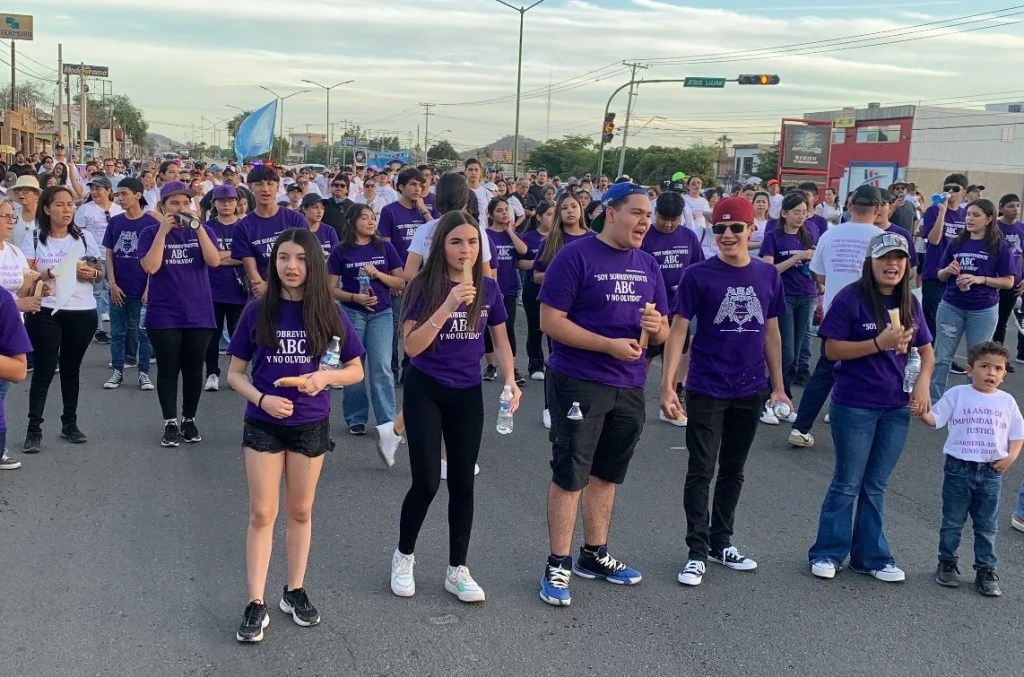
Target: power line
[26,56]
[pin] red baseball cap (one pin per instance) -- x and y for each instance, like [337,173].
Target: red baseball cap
[733,209]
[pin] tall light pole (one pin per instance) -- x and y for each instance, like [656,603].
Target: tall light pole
[426,144]
[519,77]
[280,105]
[327,130]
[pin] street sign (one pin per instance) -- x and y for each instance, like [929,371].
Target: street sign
[348,141]
[717,83]
[16,26]
[90,71]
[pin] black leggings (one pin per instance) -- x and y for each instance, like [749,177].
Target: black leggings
[433,411]
[221,312]
[1007,299]
[66,334]
[179,351]
[510,326]
[534,336]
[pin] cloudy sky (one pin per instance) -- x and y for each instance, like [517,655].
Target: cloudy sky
[183,60]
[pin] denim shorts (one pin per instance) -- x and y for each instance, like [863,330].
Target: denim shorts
[311,439]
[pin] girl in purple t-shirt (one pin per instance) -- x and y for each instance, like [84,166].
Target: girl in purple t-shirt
[283,336]
[534,233]
[443,323]
[1013,233]
[506,248]
[974,267]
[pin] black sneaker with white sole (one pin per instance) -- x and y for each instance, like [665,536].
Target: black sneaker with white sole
[172,436]
[957,368]
[732,558]
[490,371]
[189,431]
[254,620]
[599,564]
[296,603]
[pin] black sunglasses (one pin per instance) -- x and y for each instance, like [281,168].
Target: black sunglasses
[952,188]
[338,185]
[720,228]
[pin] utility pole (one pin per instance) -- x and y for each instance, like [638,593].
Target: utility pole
[12,75]
[629,111]
[59,117]
[547,126]
[426,124]
[723,142]
[83,103]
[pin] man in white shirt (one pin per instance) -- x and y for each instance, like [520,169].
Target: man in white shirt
[384,189]
[775,198]
[838,261]
[26,192]
[93,216]
[110,169]
[369,197]
[474,177]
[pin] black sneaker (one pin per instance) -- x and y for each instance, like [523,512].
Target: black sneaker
[987,583]
[296,603]
[1010,369]
[253,621]
[520,379]
[957,368]
[602,565]
[172,436]
[102,337]
[72,434]
[357,429]
[189,431]
[948,574]
[33,443]
[490,372]
[801,378]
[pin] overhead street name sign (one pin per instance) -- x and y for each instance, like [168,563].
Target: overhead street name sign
[704,82]
[90,71]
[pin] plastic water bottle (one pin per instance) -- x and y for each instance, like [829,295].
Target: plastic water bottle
[332,358]
[939,198]
[782,410]
[364,283]
[575,414]
[505,411]
[912,372]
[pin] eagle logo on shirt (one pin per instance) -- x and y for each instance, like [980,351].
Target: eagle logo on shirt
[127,243]
[740,305]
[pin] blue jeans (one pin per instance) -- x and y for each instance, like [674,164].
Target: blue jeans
[126,330]
[1019,510]
[951,323]
[815,393]
[803,359]
[970,488]
[376,332]
[396,328]
[101,292]
[868,444]
[793,329]
[4,387]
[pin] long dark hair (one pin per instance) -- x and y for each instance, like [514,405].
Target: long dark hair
[792,201]
[46,199]
[556,238]
[993,233]
[348,228]
[533,222]
[905,300]
[433,282]
[62,177]
[493,204]
[320,316]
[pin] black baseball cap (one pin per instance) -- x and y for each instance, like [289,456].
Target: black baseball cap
[135,186]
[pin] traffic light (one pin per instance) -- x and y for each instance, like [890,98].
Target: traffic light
[609,127]
[758,79]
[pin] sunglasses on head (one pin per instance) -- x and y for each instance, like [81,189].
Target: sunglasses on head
[952,188]
[720,228]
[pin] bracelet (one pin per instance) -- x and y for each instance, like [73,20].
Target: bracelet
[259,404]
[435,326]
[877,347]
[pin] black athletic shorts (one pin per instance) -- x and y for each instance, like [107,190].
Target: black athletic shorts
[659,349]
[311,439]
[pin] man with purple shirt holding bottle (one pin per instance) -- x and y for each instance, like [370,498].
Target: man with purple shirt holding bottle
[736,301]
[599,296]
[952,216]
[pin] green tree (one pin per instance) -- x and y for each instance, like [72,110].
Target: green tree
[27,94]
[658,162]
[571,155]
[767,165]
[316,155]
[236,122]
[384,143]
[442,150]
[129,117]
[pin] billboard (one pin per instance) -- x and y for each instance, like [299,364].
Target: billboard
[16,27]
[90,71]
[877,174]
[805,147]
[380,158]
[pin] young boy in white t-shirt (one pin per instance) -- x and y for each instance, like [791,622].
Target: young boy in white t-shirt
[986,432]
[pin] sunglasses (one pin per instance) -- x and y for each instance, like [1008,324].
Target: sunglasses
[952,188]
[338,185]
[736,228]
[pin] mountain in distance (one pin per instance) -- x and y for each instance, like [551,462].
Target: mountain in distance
[526,145]
[160,143]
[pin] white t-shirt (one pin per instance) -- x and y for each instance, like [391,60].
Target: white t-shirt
[698,206]
[377,205]
[840,255]
[775,205]
[828,212]
[12,268]
[516,206]
[483,196]
[424,234]
[90,217]
[152,197]
[51,253]
[981,425]
[21,229]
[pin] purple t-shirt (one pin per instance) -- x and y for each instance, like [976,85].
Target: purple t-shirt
[13,339]
[328,238]
[567,240]
[1014,236]
[817,225]
[534,241]
[603,290]
[796,280]
[226,281]
[453,359]
[179,293]
[874,381]
[732,306]
[504,258]
[674,252]
[975,259]
[255,236]
[399,224]
[122,239]
[345,262]
[933,254]
[289,358]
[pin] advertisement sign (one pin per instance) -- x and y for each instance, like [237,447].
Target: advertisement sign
[877,174]
[380,158]
[15,26]
[805,147]
[359,156]
[90,71]
[348,142]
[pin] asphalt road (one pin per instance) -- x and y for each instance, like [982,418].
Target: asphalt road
[122,558]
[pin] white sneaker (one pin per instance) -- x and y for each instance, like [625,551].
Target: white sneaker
[799,439]
[791,418]
[681,423]
[461,584]
[1017,523]
[537,376]
[212,383]
[546,418]
[403,583]
[8,463]
[827,419]
[387,442]
[692,573]
[444,469]
[106,317]
[823,569]
[890,573]
[768,416]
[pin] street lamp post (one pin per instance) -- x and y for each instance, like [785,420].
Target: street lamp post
[280,104]
[519,77]
[327,131]
[426,143]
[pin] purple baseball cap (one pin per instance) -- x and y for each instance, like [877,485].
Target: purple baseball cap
[172,188]
[225,191]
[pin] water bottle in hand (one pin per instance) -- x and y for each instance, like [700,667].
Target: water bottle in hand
[505,411]
[364,283]
[332,358]
[939,198]
[912,372]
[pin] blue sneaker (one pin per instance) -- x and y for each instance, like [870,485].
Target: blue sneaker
[602,565]
[554,585]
